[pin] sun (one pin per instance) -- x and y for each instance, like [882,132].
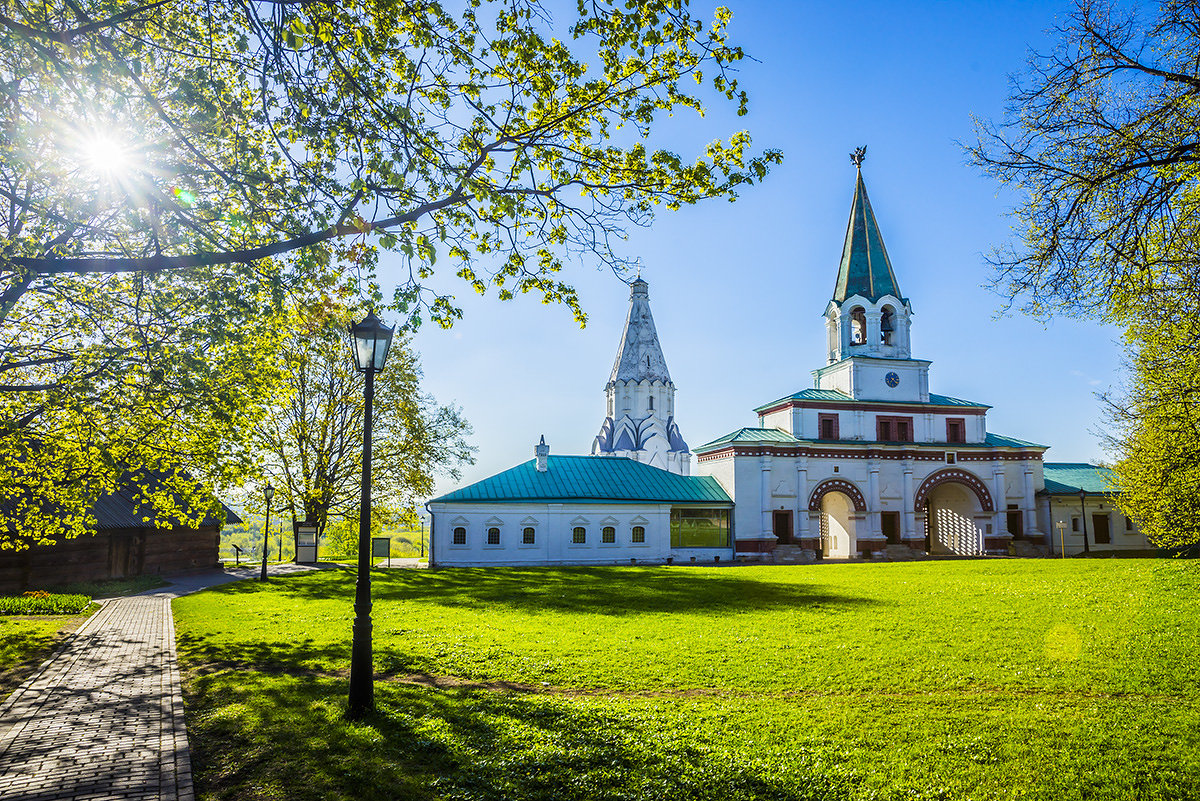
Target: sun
[105,154]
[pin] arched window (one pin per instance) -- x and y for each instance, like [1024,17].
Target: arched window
[493,536]
[886,325]
[579,535]
[651,403]
[858,325]
[609,534]
[527,536]
[639,534]
[460,536]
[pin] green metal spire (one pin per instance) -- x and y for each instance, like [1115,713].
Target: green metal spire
[865,269]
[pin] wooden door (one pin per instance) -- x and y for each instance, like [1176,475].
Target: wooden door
[782,525]
[1100,527]
[1016,525]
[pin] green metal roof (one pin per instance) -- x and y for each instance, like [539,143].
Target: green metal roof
[589,479]
[837,396]
[754,435]
[998,441]
[775,435]
[865,269]
[1067,478]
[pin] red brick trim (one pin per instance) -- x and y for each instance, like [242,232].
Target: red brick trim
[953,475]
[836,485]
[753,546]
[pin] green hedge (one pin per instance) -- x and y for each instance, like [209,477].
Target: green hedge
[44,603]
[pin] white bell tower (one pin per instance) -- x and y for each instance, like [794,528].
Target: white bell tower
[867,323]
[639,422]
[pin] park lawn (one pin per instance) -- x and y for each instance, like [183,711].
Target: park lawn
[982,679]
[26,641]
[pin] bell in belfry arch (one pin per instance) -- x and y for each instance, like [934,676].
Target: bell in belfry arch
[885,326]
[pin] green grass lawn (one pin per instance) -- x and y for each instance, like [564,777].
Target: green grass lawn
[944,680]
[25,642]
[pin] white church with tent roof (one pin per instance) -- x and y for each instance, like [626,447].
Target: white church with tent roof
[866,463]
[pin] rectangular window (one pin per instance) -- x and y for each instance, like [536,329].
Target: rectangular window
[828,423]
[1128,526]
[579,535]
[699,528]
[894,429]
[956,429]
[1074,524]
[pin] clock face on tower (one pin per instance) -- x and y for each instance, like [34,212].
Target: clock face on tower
[892,379]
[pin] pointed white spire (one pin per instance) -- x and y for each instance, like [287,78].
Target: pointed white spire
[639,356]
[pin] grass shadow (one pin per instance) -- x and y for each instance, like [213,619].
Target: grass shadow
[594,590]
[256,735]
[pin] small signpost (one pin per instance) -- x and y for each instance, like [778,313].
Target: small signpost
[1062,529]
[306,542]
[381,547]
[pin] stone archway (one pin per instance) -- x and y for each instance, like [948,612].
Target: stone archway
[841,485]
[839,505]
[956,506]
[957,476]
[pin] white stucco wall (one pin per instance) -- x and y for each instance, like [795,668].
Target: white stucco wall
[553,525]
[1053,510]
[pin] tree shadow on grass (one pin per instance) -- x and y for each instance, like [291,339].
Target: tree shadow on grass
[594,590]
[261,736]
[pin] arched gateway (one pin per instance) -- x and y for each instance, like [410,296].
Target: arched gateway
[956,506]
[840,506]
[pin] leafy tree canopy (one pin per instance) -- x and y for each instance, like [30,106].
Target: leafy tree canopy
[310,439]
[172,172]
[1102,141]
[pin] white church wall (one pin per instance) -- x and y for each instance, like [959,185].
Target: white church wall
[778,419]
[1124,534]
[553,526]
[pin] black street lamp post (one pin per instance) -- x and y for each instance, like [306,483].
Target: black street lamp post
[268,493]
[1083,518]
[371,342]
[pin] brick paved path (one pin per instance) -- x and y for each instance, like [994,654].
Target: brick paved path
[103,717]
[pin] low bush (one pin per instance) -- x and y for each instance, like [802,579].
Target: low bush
[40,602]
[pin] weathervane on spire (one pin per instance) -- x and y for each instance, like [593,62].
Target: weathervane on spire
[858,155]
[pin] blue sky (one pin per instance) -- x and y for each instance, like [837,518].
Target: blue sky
[738,290]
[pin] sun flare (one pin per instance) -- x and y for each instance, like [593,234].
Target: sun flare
[105,154]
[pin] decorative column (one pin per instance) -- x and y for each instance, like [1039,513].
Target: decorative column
[1029,507]
[1000,497]
[873,331]
[764,463]
[802,501]
[874,527]
[908,514]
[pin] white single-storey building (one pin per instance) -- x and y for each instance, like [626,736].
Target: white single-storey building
[582,510]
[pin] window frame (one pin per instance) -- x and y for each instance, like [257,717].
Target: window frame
[961,423]
[633,540]
[832,419]
[454,537]
[487,537]
[531,532]
[605,532]
[894,424]
[576,539]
